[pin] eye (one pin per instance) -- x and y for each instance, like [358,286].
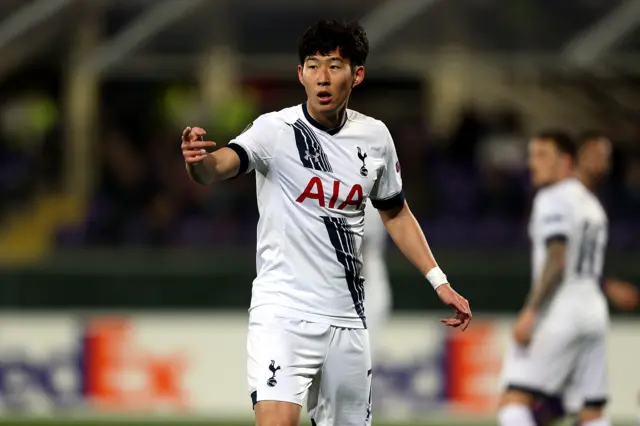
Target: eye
[335,67]
[313,67]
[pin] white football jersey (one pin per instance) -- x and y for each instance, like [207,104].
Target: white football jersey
[312,185]
[568,210]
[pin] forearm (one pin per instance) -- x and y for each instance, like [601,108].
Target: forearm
[220,165]
[199,172]
[410,240]
[551,276]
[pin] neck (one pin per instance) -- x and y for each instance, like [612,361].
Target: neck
[330,120]
[585,179]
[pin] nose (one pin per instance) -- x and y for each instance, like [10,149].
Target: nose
[323,77]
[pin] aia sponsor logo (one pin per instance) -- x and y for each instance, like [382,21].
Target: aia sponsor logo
[316,191]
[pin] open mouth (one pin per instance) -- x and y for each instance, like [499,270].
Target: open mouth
[324,97]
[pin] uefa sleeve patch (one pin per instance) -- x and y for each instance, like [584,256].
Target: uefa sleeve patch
[398,166]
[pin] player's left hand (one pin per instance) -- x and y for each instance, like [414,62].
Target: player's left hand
[461,305]
[622,294]
[523,328]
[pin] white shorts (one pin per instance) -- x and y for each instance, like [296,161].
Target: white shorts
[298,361]
[567,352]
[588,382]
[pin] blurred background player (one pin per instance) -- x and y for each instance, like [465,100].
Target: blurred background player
[594,158]
[378,299]
[560,332]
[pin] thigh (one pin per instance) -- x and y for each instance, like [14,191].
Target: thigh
[343,393]
[572,397]
[544,366]
[283,357]
[277,413]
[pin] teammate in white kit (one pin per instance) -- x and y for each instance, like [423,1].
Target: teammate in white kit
[560,333]
[594,157]
[316,165]
[379,298]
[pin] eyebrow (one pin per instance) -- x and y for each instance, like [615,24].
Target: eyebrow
[331,59]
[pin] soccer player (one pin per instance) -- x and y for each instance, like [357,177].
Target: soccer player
[378,289]
[560,331]
[316,165]
[594,155]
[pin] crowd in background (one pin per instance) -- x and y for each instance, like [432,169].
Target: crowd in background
[470,187]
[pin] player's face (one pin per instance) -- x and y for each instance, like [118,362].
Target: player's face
[595,158]
[328,81]
[546,163]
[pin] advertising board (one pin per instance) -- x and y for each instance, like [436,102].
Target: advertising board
[194,365]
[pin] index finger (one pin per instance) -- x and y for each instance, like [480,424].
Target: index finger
[199,144]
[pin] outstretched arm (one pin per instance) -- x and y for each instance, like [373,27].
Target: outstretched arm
[623,294]
[253,149]
[204,167]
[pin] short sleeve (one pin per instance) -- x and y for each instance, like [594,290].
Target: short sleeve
[553,218]
[387,192]
[256,145]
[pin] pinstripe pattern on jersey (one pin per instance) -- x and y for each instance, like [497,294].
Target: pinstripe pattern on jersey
[309,148]
[343,241]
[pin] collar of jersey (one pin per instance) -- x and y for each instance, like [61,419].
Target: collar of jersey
[320,126]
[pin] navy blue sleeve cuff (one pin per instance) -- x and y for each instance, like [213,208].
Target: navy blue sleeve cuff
[390,203]
[244,157]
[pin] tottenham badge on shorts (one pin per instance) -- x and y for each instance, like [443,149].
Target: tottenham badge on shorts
[271,382]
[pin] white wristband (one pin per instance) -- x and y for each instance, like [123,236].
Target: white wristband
[436,277]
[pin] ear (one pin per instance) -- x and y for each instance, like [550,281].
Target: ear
[300,69]
[358,76]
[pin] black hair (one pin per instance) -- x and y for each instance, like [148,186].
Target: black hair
[561,139]
[589,136]
[325,36]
